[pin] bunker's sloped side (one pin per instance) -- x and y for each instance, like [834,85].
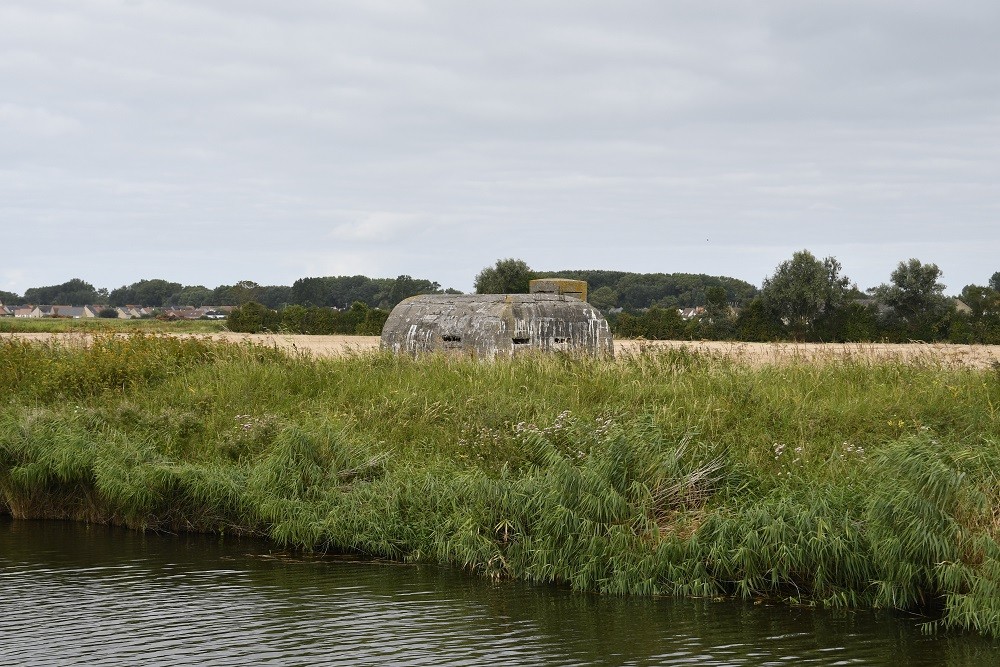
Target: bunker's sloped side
[489,325]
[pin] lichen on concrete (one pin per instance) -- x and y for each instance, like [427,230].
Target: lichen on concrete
[564,286]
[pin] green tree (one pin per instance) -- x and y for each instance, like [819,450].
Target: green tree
[275,296]
[507,276]
[638,291]
[603,298]
[758,323]
[75,292]
[320,320]
[155,292]
[995,282]
[803,290]
[983,318]
[917,306]
[717,322]
[253,318]
[246,291]
[716,297]
[372,324]
[980,300]
[625,325]
[293,319]
[223,296]
[667,302]
[312,291]
[192,295]
[404,286]
[342,291]
[9,298]
[348,321]
[854,322]
[661,324]
[653,324]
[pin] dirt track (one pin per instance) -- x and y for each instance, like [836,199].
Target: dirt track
[972,356]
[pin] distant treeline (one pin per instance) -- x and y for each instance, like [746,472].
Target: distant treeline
[332,291]
[636,291]
[806,299]
[607,289]
[359,319]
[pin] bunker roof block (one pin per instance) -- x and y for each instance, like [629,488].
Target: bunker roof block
[566,286]
[496,325]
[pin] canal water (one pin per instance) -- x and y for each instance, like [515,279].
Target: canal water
[72,594]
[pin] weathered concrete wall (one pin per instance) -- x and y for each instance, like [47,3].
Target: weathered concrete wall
[490,325]
[565,286]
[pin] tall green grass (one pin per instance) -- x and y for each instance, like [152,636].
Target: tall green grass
[844,484]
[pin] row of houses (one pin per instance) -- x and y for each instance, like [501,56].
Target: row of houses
[121,312]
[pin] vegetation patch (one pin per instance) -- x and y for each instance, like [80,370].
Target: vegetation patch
[104,325]
[861,483]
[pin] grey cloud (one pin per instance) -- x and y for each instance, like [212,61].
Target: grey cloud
[430,138]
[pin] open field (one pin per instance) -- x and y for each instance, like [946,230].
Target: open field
[675,469]
[92,325]
[959,356]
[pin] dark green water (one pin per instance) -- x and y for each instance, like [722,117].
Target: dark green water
[72,594]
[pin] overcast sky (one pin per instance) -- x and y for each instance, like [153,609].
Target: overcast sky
[212,141]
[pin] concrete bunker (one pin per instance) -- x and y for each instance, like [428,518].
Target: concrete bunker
[566,286]
[491,325]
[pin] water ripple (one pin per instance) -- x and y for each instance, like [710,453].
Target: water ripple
[86,596]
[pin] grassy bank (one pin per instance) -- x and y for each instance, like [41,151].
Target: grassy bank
[856,483]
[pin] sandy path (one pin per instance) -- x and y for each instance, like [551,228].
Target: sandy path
[321,346]
[973,356]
